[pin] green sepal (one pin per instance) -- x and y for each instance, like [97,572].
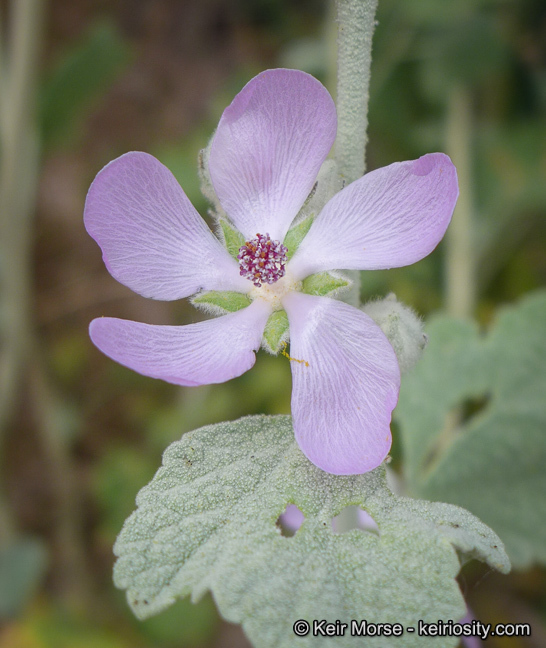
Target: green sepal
[324,284]
[233,239]
[220,302]
[296,234]
[276,332]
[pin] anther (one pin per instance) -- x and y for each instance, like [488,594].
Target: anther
[262,260]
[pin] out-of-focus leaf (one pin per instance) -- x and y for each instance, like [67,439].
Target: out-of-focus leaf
[22,566]
[83,74]
[473,421]
[207,521]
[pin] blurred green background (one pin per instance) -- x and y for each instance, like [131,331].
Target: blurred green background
[79,434]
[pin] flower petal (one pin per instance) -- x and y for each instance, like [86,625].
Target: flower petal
[268,149]
[390,217]
[212,351]
[343,397]
[152,238]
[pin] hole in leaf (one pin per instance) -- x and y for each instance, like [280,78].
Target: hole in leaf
[471,407]
[290,521]
[353,517]
[459,416]
[463,413]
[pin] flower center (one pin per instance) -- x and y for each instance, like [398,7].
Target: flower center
[262,260]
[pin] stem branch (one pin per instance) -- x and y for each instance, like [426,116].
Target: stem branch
[461,257]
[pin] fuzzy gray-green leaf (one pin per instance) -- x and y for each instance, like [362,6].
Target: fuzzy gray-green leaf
[207,521]
[473,419]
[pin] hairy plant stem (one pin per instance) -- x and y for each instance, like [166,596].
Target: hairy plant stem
[356,22]
[460,282]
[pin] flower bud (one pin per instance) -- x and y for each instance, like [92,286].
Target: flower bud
[205,181]
[403,328]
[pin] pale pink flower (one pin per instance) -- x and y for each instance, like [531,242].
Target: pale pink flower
[264,160]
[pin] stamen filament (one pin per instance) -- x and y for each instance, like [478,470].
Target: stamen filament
[283,352]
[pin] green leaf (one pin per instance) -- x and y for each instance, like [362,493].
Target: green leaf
[276,331]
[472,416]
[216,301]
[233,239]
[83,75]
[296,234]
[324,283]
[207,521]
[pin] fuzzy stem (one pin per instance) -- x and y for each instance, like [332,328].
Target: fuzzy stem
[460,256]
[356,22]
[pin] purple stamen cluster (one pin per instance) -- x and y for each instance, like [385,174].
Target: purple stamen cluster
[262,260]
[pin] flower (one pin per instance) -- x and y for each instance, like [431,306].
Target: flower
[263,162]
